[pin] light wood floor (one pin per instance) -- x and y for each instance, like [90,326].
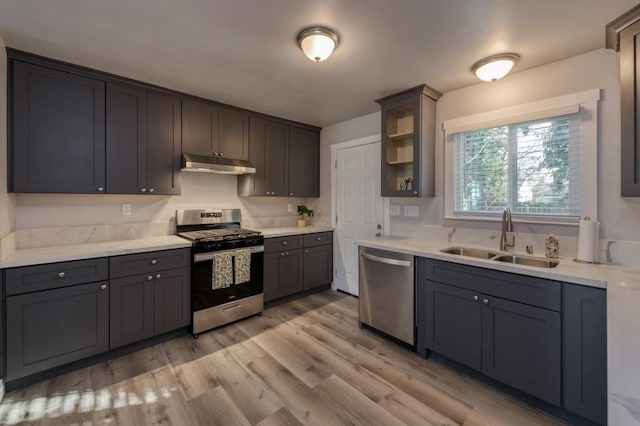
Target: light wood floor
[305,362]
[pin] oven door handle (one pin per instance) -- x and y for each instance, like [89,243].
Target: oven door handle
[203,257]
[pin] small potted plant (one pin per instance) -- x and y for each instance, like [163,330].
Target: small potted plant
[302,211]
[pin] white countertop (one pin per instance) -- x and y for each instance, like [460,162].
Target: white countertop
[622,284]
[36,256]
[291,230]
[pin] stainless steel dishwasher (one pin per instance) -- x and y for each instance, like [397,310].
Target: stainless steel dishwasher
[387,292]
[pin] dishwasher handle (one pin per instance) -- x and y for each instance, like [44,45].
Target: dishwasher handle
[386,260]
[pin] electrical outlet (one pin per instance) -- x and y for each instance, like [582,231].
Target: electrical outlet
[126,210]
[411,211]
[394,210]
[289,208]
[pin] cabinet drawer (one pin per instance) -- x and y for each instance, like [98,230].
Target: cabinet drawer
[55,275]
[519,288]
[318,239]
[143,263]
[282,243]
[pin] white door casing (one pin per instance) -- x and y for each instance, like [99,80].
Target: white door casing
[357,206]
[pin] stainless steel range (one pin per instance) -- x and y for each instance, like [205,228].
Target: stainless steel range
[227,267]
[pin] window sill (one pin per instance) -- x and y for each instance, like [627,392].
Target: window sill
[516,219]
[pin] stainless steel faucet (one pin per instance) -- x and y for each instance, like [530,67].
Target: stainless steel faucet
[507,226]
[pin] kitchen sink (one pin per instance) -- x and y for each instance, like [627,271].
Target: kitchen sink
[528,261]
[470,252]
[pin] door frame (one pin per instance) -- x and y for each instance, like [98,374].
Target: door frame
[376,138]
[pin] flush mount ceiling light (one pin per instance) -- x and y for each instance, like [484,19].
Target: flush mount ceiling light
[317,42]
[495,67]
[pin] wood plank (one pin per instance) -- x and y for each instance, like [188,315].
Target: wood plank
[216,408]
[282,417]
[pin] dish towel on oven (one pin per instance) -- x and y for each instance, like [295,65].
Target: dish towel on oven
[243,266]
[222,270]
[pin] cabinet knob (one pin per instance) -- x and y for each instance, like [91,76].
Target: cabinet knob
[215,154]
[306,251]
[287,253]
[151,189]
[284,243]
[100,189]
[143,189]
[158,276]
[415,192]
[291,193]
[485,301]
[61,275]
[222,154]
[282,254]
[154,261]
[318,238]
[150,277]
[475,297]
[103,287]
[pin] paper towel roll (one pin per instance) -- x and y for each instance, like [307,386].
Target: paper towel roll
[588,240]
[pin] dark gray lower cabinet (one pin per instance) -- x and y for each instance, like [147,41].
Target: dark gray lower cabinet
[521,347]
[146,305]
[318,266]
[50,328]
[451,324]
[585,352]
[282,274]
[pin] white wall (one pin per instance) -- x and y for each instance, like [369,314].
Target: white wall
[199,190]
[619,217]
[6,200]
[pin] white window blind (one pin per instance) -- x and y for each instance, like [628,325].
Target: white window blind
[531,167]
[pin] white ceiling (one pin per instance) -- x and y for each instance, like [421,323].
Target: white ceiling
[243,52]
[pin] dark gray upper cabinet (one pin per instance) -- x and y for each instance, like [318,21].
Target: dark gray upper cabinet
[304,161]
[268,152]
[57,131]
[233,133]
[163,144]
[126,139]
[209,129]
[49,328]
[143,141]
[622,35]
[584,334]
[408,142]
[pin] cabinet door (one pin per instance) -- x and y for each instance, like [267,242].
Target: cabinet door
[50,328]
[584,369]
[630,118]
[452,324]
[57,131]
[318,266]
[171,300]
[521,347]
[163,144]
[271,282]
[131,308]
[126,139]
[199,127]
[304,161]
[291,265]
[268,143]
[233,134]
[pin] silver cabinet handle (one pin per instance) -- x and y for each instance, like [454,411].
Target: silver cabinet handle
[284,243]
[103,287]
[475,297]
[158,276]
[282,254]
[151,189]
[485,301]
[61,275]
[100,189]
[154,261]
[291,193]
[222,154]
[318,238]
[143,189]
[306,251]
[395,262]
[150,277]
[287,253]
[215,154]
[415,192]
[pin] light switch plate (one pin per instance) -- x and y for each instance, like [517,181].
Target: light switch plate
[289,208]
[411,211]
[126,210]
[394,210]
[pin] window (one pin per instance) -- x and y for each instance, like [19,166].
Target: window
[530,167]
[537,159]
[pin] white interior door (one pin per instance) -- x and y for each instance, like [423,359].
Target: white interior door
[359,208]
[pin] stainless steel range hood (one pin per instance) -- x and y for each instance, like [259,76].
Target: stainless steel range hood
[220,165]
